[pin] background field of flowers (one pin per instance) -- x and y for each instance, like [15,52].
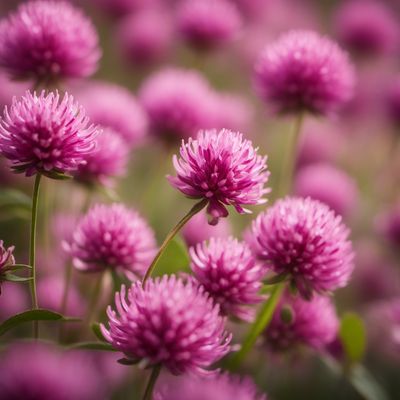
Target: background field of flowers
[161,71]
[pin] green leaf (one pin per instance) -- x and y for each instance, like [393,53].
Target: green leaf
[14,203]
[15,278]
[92,346]
[276,279]
[353,336]
[174,259]
[32,315]
[16,267]
[97,331]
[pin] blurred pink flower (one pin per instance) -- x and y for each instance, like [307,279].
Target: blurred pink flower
[177,102]
[108,161]
[115,107]
[156,325]
[48,40]
[140,42]
[297,322]
[329,185]
[367,27]
[303,71]
[207,24]
[218,387]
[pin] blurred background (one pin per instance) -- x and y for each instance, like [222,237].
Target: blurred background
[350,160]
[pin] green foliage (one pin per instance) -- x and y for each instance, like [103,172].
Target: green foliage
[353,336]
[14,203]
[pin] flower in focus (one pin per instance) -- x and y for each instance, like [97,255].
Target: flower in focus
[303,71]
[198,229]
[142,44]
[367,27]
[228,271]
[177,103]
[218,387]
[223,168]
[115,107]
[108,161]
[296,322]
[383,321]
[46,135]
[156,325]
[206,24]
[304,239]
[47,41]
[329,185]
[112,236]
[47,374]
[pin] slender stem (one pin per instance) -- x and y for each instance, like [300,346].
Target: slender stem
[94,298]
[32,248]
[148,394]
[64,299]
[262,321]
[289,158]
[172,233]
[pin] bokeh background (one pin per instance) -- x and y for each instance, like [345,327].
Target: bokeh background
[350,160]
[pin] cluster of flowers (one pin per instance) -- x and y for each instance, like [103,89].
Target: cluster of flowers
[180,321]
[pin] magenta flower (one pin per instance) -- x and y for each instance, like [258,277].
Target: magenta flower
[218,387]
[47,41]
[198,229]
[299,322]
[367,27]
[119,8]
[304,239]
[156,325]
[48,374]
[303,71]
[112,236]
[329,185]
[206,24]
[223,168]
[115,107]
[43,134]
[108,161]
[177,103]
[140,43]
[228,271]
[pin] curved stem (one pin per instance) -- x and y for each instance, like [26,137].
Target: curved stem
[148,394]
[32,248]
[262,321]
[289,158]
[172,233]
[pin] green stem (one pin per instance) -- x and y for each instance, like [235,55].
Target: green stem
[32,248]
[172,233]
[64,300]
[289,158]
[148,394]
[262,321]
[94,299]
